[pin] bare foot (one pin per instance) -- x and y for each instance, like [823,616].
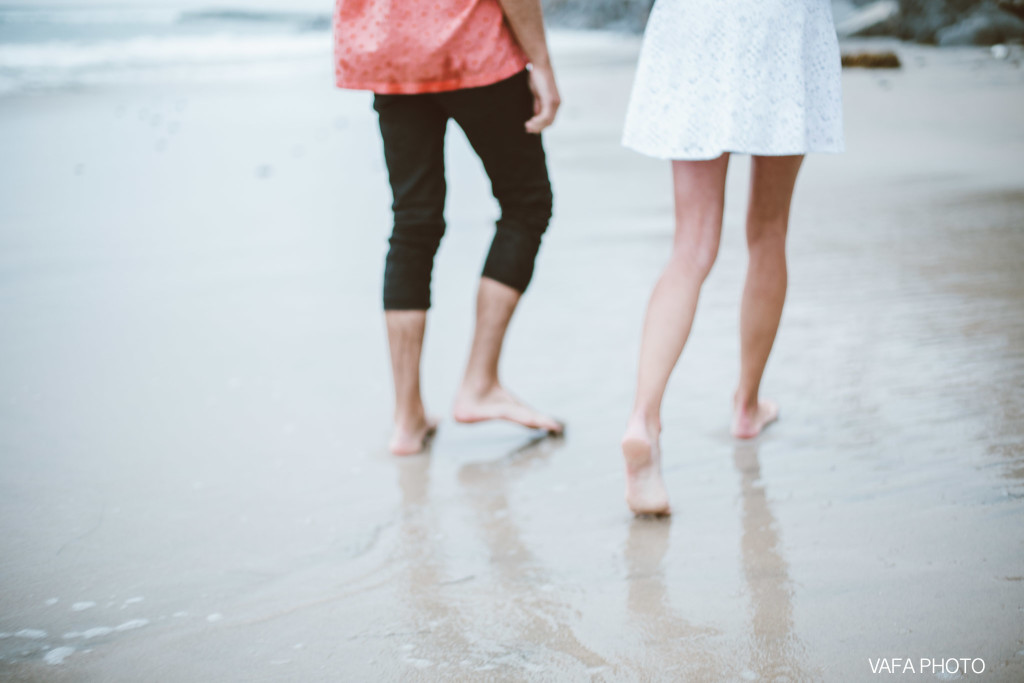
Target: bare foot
[747,423]
[498,404]
[410,440]
[645,489]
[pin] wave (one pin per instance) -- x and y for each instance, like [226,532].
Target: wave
[157,51]
[45,48]
[14,16]
[302,20]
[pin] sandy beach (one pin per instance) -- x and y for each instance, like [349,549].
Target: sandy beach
[195,398]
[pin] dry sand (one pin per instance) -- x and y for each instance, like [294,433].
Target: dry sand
[195,400]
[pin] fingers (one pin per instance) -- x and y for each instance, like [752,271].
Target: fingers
[536,98]
[545,100]
[539,123]
[545,110]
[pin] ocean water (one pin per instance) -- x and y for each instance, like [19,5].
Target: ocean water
[43,48]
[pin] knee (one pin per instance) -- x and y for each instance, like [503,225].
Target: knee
[407,274]
[410,260]
[527,210]
[417,229]
[767,236]
[697,259]
[517,240]
[696,250]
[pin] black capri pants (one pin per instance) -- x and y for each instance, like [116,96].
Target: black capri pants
[413,129]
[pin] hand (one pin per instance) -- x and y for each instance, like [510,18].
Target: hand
[545,98]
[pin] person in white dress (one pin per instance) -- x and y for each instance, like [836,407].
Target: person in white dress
[715,78]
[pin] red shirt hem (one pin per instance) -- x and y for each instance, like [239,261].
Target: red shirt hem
[421,88]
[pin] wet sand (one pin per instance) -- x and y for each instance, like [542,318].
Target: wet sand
[195,400]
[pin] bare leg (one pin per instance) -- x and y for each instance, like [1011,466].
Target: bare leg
[481,396]
[771,191]
[699,200]
[405,337]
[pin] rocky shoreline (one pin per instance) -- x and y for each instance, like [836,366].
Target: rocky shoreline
[939,22]
[617,15]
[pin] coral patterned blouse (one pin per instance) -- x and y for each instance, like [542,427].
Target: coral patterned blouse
[422,46]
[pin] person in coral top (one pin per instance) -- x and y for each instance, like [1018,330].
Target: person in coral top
[485,64]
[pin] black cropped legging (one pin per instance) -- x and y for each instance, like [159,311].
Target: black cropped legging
[413,128]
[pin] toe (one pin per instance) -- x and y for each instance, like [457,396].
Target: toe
[403,448]
[411,443]
[553,426]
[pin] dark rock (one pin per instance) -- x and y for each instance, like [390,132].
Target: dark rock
[921,20]
[871,60]
[984,26]
[960,22]
[1014,7]
[951,22]
[880,18]
[620,15]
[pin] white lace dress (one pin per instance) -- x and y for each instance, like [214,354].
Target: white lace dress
[748,76]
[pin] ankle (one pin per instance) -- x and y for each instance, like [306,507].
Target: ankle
[478,387]
[411,419]
[745,402]
[649,420]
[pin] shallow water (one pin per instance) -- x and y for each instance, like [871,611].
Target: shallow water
[194,401]
[43,48]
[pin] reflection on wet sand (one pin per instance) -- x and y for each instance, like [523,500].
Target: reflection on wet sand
[671,644]
[776,652]
[683,651]
[525,600]
[437,628]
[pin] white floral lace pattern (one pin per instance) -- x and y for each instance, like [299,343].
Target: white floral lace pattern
[747,76]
